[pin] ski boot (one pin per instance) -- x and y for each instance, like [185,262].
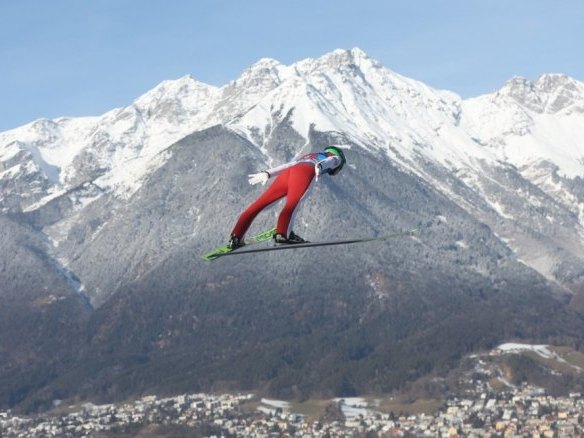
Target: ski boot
[235,242]
[295,238]
[292,239]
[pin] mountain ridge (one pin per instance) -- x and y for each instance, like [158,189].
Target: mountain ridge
[202,105]
[137,194]
[345,92]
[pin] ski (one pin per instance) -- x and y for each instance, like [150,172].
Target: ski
[317,244]
[224,250]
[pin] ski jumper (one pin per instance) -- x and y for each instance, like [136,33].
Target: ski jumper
[293,181]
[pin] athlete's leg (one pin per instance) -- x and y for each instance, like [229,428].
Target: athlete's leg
[299,181]
[298,207]
[273,193]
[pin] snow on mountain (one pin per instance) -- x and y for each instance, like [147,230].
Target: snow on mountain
[117,209]
[343,91]
[510,158]
[544,351]
[531,133]
[537,128]
[49,145]
[525,123]
[347,92]
[511,347]
[115,149]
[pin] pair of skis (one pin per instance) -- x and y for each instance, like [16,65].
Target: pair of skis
[267,235]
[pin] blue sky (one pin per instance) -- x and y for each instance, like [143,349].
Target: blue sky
[85,57]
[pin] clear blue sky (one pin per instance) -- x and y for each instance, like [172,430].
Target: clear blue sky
[84,57]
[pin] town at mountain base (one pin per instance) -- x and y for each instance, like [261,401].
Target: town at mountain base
[490,394]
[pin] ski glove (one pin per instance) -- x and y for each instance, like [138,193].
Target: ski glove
[257,178]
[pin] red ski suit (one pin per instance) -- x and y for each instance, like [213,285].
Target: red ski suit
[293,181]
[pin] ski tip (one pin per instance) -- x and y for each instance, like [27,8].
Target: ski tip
[210,256]
[223,250]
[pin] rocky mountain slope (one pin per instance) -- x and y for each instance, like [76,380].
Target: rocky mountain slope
[123,204]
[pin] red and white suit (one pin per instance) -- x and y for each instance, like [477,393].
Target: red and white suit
[293,181]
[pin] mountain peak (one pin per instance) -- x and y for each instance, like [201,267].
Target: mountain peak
[517,84]
[550,93]
[264,63]
[265,74]
[185,89]
[562,92]
[552,81]
[348,55]
[264,67]
[523,91]
[184,83]
[358,52]
[338,58]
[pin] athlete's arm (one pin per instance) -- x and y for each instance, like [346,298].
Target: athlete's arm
[263,176]
[278,169]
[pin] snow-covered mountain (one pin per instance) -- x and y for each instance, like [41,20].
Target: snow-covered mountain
[103,220]
[522,124]
[498,156]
